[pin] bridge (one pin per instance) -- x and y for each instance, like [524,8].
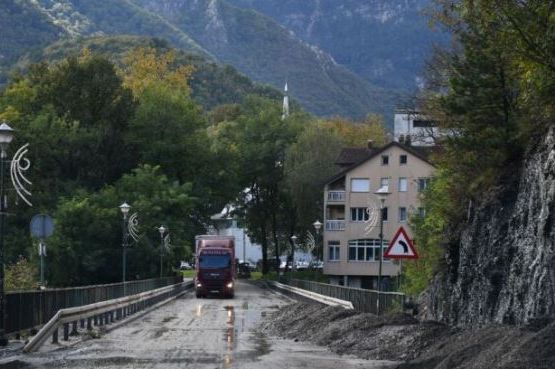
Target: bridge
[187,332]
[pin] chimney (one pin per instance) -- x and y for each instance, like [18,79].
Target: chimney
[370,144]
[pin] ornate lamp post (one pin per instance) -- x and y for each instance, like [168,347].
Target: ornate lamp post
[125,242]
[19,180]
[382,194]
[293,243]
[162,230]
[317,226]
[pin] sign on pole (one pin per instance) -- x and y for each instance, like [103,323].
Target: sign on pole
[401,246]
[42,226]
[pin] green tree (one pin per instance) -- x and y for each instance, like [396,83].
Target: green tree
[86,247]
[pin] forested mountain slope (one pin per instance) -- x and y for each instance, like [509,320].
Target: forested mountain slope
[212,84]
[255,44]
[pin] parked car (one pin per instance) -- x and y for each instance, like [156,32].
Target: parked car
[244,270]
[316,265]
[185,266]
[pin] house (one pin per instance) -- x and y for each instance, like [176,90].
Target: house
[351,227]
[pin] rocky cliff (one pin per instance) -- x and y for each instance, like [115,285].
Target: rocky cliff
[502,269]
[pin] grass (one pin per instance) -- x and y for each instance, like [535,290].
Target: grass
[188,273]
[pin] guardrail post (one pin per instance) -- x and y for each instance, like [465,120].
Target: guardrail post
[74,328]
[82,323]
[89,324]
[66,331]
[95,320]
[55,336]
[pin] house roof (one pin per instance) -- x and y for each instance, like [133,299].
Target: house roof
[421,152]
[351,155]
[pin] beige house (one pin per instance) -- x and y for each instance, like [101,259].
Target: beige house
[352,228]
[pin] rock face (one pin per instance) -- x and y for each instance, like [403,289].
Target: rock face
[504,268]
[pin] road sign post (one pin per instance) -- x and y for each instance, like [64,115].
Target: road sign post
[42,227]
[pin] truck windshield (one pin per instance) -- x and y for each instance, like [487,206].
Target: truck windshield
[214,261]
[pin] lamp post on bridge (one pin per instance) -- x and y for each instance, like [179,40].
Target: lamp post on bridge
[125,242]
[162,231]
[18,165]
[382,194]
[317,226]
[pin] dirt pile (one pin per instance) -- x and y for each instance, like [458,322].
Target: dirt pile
[420,345]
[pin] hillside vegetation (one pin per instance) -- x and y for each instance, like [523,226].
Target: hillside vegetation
[257,45]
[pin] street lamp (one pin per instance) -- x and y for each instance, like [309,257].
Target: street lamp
[293,240]
[6,136]
[382,194]
[317,226]
[162,230]
[124,210]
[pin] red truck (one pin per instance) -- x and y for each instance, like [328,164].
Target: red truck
[215,265]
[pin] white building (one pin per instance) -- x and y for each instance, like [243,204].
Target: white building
[413,127]
[245,249]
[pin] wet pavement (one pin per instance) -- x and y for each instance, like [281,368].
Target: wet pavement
[195,333]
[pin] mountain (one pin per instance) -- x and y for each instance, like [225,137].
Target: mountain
[258,38]
[384,41]
[265,51]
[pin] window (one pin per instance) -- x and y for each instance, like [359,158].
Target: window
[360,185]
[384,182]
[384,214]
[423,183]
[421,212]
[385,159]
[402,214]
[359,214]
[333,248]
[365,249]
[403,159]
[421,123]
[402,184]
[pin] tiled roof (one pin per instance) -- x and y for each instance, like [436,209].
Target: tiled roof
[420,152]
[351,155]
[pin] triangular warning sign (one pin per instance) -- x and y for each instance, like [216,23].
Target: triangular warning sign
[401,247]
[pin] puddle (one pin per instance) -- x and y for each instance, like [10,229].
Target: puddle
[16,364]
[168,319]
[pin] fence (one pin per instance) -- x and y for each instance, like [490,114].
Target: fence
[30,309]
[115,312]
[362,300]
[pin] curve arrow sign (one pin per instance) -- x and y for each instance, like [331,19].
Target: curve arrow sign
[401,246]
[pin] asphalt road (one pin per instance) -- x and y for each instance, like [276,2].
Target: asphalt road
[196,333]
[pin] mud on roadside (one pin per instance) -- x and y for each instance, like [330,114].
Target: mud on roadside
[420,345]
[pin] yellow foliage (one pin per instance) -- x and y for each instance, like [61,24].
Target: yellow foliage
[143,68]
[357,134]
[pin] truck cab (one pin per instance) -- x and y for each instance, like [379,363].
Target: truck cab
[215,266]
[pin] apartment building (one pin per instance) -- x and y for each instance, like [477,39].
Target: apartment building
[351,228]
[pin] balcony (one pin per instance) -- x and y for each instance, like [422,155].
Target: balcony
[336,196]
[335,225]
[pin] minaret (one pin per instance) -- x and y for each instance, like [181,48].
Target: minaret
[285,113]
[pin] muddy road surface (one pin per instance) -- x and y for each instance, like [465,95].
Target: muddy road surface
[196,333]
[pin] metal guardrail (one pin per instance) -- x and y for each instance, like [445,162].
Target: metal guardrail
[31,309]
[303,293]
[102,313]
[362,299]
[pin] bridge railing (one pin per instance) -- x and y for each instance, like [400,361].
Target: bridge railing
[31,309]
[362,299]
